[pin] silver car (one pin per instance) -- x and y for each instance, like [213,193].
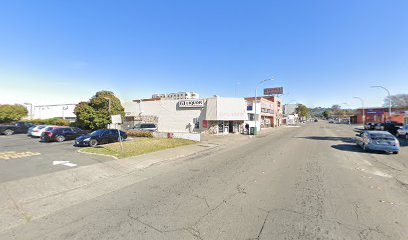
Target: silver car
[403,132]
[378,141]
[150,127]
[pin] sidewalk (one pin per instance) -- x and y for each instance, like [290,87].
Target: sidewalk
[24,200]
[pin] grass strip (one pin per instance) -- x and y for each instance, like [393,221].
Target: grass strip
[138,147]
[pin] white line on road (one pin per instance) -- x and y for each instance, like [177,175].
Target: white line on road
[65,163]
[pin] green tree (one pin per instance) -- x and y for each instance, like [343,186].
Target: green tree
[12,112]
[326,114]
[302,111]
[96,114]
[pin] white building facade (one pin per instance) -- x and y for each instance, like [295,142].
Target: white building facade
[64,111]
[216,115]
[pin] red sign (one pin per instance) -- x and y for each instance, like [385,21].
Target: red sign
[271,91]
[205,123]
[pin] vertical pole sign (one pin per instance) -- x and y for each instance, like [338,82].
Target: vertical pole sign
[117,119]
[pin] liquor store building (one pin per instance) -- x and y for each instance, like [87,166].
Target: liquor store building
[215,115]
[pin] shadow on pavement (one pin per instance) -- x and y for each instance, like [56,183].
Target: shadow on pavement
[355,148]
[341,139]
[347,147]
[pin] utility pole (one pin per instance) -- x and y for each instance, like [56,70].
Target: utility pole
[256,93]
[119,136]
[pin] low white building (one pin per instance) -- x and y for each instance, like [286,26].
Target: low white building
[176,96]
[212,115]
[64,111]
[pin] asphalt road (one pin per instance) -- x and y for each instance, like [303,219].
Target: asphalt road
[310,182]
[28,157]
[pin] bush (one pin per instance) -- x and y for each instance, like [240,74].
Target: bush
[138,133]
[51,121]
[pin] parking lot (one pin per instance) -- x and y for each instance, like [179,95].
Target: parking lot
[22,156]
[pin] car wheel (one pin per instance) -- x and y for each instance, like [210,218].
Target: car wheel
[8,132]
[396,152]
[93,143]
[59,138]
[120,139]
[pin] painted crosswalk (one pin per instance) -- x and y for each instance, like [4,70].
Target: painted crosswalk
[13,154]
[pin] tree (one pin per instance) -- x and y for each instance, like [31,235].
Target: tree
[9,112]
[326,114]
[302,111]
[399,101]
[96,114]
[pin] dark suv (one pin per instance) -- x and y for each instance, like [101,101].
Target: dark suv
[391,127]
[100,137]
[61,134]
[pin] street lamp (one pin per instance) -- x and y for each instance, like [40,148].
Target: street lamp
[362,104]
[31,110]
[347,114]
[256,93]
[389,100]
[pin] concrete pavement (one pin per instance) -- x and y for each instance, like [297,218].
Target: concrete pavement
[310,182]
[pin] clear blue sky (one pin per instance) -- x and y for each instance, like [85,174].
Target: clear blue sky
[322,52]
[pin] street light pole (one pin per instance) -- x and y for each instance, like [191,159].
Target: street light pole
[389,100]
[256,93]
[362,104]
[347,114]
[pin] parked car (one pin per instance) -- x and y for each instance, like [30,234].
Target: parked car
[13,128]
[378,141]
[378,127]
[403,132]
[391,127]
[60,134]
[98,137]
[36,131]
[370,125]
[146,127]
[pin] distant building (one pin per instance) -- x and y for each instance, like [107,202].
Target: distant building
[64,111]
[176,96]
[379,114]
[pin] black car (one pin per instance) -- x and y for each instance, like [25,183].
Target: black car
[102,136]
[370,125]
[60,134]
[17,127]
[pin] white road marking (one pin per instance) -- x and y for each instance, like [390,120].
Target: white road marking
[65,163]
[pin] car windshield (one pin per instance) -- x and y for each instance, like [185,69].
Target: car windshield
[97,132]
[381,137]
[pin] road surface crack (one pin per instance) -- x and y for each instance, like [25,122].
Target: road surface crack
[356,207]
[263,225]
[204,199]
[145,224]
